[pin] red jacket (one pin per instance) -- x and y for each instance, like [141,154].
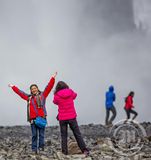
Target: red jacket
[64,99]
[129,102]
[33,103]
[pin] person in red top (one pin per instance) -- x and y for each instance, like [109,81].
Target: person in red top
[36,108]
[129,106]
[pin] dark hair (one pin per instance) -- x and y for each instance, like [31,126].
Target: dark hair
[60,85]
[131,93]
[35,86]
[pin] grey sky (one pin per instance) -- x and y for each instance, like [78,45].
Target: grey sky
[91,43]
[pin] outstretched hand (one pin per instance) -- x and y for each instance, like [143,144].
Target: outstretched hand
[54,75]
[10,85]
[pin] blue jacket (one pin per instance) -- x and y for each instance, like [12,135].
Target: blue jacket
[110,97]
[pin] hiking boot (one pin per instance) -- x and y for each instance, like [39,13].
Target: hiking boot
[34,152]
[41,149]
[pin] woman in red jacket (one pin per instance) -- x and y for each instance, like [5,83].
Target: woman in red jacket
[129,106]
[36,108]
[64,97]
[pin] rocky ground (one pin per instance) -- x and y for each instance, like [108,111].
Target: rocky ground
[15,144]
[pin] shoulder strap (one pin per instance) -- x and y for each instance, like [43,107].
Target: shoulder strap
[28,110]
[35,108]
[43,104]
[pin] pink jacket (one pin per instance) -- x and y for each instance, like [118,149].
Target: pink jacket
[64,99]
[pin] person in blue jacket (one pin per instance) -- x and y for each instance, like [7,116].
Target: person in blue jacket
[110,98]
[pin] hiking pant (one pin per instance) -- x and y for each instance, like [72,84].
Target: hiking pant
[36,131]
[128,111]
[108,110]
[64,134]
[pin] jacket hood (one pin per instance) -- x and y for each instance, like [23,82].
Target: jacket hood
[65,93]
[111,88]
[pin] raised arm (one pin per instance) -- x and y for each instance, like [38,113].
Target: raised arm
[50,85]
[19,92]
[55,99]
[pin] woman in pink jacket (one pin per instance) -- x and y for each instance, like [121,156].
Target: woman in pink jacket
[64,97]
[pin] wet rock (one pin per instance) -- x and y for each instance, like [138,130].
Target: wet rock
[73,147]
[149,138]
[15,144]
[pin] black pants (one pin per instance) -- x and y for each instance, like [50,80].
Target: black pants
[64,134]
[108,110]
[129,111]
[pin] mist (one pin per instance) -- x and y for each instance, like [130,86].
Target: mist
[92,44]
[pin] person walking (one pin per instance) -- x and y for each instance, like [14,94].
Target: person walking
[129,106]
[36,108]
[110,98]
[64,97]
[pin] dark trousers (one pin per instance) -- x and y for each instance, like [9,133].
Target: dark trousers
[129,111]
[35,132]
[64,134]
[108,110]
